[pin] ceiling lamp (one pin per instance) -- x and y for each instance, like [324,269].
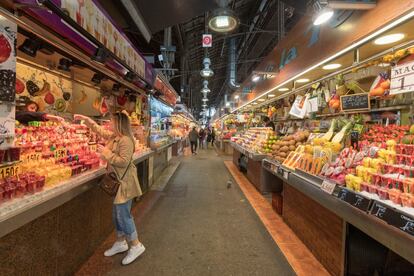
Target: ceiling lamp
[223,20]
[331,66]
[271,95]
[204,99]
[283,89]
[236,97]
[206,72]
[322,12]
[261,100]
[255,78]
[227,104]
[205,88]
[302,80]
[388,39]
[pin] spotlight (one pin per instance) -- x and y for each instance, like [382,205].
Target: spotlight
[116,87]
[255,78]
[323,16]
[204,99]
[30,46]
[64,64]
[223,20]
[129,76]
[331,66]
[100,55]
[283,89]
[236,97]
[389,39]
[97,78]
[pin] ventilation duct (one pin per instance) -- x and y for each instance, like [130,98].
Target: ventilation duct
[232,64]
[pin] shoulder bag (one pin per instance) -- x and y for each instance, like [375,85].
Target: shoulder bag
[110,182]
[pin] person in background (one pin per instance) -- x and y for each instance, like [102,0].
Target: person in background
[193,136]
[208,136]
[213,136]
[268,123]
[118,153]
[201,137]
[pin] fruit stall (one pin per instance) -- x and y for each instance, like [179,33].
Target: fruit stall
[342,151]
[182,122]
[49,170]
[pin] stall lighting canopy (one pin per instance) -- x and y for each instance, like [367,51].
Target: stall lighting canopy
[283,89]
[223,20]
[332,66]
[389,39]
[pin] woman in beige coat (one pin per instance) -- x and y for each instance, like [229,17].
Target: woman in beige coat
[118,153]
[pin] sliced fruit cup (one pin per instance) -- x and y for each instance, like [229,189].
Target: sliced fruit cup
[395,195]
[376,179]
[407,200]
[387,168]
[364,187]
[372,189]
[408,185]
[383,193]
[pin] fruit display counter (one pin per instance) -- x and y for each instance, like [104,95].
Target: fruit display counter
[181,125]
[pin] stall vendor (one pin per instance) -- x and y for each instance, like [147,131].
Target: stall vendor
[30,114]
[268,123]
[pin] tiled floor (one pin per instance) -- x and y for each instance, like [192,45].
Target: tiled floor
[297,254]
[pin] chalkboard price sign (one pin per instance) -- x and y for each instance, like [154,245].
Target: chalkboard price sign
[355,102]
[354,199]
[393,217]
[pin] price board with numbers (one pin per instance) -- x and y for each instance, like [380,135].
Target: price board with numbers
[328,186]
[8,171]
[402,78]
[31,157]
[60,153]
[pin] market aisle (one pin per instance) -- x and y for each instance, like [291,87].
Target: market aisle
[199,227]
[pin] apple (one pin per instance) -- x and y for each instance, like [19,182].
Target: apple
[5,49]
[19,86]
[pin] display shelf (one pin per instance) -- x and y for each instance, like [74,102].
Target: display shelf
[381,109]
[397,240]
[252,155]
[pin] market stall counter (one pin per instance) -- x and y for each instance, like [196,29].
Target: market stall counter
[76,214]
[339,226]
[251,164]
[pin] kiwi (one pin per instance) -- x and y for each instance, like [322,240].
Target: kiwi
[60,105]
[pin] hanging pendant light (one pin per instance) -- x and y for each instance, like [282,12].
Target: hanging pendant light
[205,89]
[206,72]
[223,20]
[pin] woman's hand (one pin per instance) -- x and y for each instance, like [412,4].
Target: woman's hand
[79,117]
[55,118]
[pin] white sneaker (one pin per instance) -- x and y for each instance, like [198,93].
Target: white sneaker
[133,253]
[118,247]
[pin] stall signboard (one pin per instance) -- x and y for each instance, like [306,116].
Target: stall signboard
[402,78]
[7,60]
[306,45]
[168,93]
[356,102]
[95,20]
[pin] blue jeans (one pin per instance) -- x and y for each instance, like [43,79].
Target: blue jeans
[123,221]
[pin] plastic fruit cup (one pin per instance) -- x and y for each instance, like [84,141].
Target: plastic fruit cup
[14,154]
[372,189]
[9,191]
[31,185]
[394,195]
[383,193]
[40,182]
[408,186]
[407,200]
[2,155]
[364,187]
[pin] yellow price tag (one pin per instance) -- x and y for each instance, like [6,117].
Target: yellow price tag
[60,153]
[93,147]
[31,157]
[12,170]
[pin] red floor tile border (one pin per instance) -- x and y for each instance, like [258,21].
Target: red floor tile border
[298,255]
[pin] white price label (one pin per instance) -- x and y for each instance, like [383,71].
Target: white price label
[402,78]
[285,175]
[328,186]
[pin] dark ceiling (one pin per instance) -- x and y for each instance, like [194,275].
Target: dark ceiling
[254,38]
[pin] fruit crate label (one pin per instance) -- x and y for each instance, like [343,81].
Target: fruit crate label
[328,186]
[393,217]
[8,171]
[354,199]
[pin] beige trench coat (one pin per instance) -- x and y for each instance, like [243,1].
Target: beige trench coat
[118,153]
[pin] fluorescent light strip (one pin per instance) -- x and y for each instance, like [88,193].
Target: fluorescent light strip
[347,49]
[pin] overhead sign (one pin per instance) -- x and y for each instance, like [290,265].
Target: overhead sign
[402,78]
[207,40]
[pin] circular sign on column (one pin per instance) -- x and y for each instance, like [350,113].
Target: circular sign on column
[207,40]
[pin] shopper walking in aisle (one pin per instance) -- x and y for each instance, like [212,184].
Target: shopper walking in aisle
[201,137]
[118,153]
[193,136]
[208,137]
[213,136]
